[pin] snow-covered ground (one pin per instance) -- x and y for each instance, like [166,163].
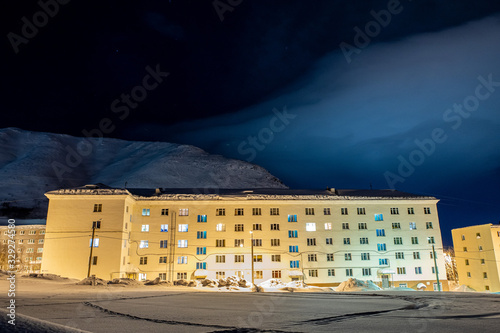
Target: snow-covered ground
[32,163]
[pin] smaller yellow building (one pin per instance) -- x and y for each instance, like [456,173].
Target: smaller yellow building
[477,251]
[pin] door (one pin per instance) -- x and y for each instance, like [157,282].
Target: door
[385,281]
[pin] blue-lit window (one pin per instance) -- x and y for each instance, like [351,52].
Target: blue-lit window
[381,247]
[145,212]
[201,265]
[379,217]
[293,248]
[95,242]
[383,262]
[201,250]
[202,218]
[294,264]
[164,228]
[292,218]
[292,233]
[380,232]
[201,234]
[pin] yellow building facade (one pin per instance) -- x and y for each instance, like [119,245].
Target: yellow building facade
[323,237]
[477,254]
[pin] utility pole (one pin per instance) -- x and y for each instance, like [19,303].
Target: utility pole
[436,267]
[251,233]
[94,224]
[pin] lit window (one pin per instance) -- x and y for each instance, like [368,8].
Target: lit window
[310,226]
[145,228]
[413,226]
[328,226]
[292,218]
[143,244]
[379,217]
[164,228]
[220,275]
[257,258]
[239,242]
[381,247]
[182,243]
[145,212]
[257,275]
[183,227]
[142,276]
[39,250]
[96,242]
[220,227]
[383,261]
[184,212]
[202,218]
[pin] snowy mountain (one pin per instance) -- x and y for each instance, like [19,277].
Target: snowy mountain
[32,163]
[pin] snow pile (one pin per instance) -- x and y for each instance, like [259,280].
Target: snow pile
[272,283]
[125,281]
[296,284]
[88,282]
[357,285]
[47,276]
[230,283]
[463,288]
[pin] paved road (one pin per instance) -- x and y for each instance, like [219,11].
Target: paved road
[160,309]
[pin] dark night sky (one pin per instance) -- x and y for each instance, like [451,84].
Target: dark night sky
[351,120]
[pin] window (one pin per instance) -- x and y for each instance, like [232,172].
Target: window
[239,227]
[276,257]
[430,240]
[31,241]
[238,211]
[413,226]
[257,275]
[142,276]
[220,212]
[380,233]
[274,211]
[143,244]
[201,265]
[292,218]
[97,208]
[309,211]
[184,212]
[363,240]
[411,211]
[220,243]
[379,217]
[482,262]
[343,211]
[220,227]
[293,248]
[312,257]
[293,233]
[164,228]
[239,258]
[146,212]
[276,274]
[21,232]
[480,248]
[328,226]
[401,270]
[257,226]
[427,210]
[428,225]
[182,243]
[466,262]
[162,276]
[331,272]
[468,274]
[399,255]
[163,244]
[220,275]
[162,260]
[95,243]
[257,242]
[181,276]
[416,255]
[183,227]
[329,241]
[431,255]
[20,241]
[348,272]
[433,269]
[294,264]
[310,226]
[145,228]
[418,270]
[202,218]
[361,211]
[396,225]
[313,273]
[257,258]
[394,211]
[367,271]
[275,242]
[275,226]
[362,226]
[30,250]
[164,211]
[347,257]
[383,261]
[381,247]
[465,249]
[329,257]
[255,211]
[220,258]
[326,211]
[347,241]
[143,261]
[486,287]
[365,256]
[32,232]
[201,234]
[239,242]
[345,226]
[398,240]
[311,242]
[95,224]
[39,250]
[414,240]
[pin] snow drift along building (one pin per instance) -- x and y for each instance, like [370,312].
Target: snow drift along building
[321,236]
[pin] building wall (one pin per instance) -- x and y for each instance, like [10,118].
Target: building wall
[477,252]
[122,216]
[29,243]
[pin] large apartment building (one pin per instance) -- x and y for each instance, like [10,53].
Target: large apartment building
[477,253]
[321,236]
[28,243]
